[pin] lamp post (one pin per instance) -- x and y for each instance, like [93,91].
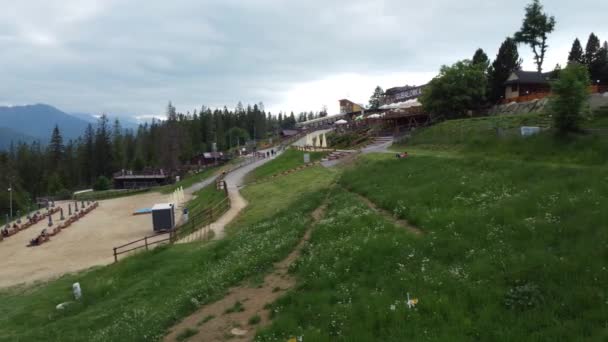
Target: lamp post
[10,194]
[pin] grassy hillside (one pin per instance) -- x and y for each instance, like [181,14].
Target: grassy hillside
[499,137]
[288,160]
[140,297]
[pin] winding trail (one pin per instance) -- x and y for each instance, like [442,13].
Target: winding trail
[234,181]
[216,322]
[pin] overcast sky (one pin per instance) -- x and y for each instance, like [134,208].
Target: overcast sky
[133,56]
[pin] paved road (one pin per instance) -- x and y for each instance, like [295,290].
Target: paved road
[234,180]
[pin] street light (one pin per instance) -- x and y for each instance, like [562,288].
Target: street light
[10,192]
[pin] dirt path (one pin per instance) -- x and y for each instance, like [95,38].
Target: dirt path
[230,317]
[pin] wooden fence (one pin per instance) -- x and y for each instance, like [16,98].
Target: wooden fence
[197,228]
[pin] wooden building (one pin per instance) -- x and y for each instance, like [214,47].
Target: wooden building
[209,158]
[347,107]
[126,179]
[527,83]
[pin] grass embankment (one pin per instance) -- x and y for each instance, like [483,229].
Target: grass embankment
[499,137]
[269,198]
[207,197]
[139,298]
[189,180]
[512,251]
[288,160]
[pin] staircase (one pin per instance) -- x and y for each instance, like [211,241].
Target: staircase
[382,140]
[338,154]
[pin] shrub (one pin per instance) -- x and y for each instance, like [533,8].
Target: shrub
[570,93]
[102,183]
[63,194]
[255,319]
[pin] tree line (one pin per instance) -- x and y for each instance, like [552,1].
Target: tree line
[61,166]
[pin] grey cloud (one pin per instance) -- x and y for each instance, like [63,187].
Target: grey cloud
[134,55]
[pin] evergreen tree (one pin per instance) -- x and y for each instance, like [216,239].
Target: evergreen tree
[87,155]
[507,60]
[591,49]
[323,112]
[377,98]
[56,149]
[481,58]
[103,148]
[535,30]
[576,53]
[556,71]
[603,63]
[118,147]
[595,58]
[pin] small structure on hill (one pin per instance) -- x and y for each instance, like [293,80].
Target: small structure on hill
[347,107]
[127,179]
[163,217]
[209,159]
[529,85]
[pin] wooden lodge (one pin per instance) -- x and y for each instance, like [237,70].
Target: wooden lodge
[127,179]
[527,83]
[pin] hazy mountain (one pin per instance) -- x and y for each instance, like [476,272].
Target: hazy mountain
[38,121]
[125,121]
[7,135]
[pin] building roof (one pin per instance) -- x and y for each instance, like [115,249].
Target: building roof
[396,90]
[529,77]
[162,206]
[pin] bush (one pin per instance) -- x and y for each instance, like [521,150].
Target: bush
[102,183]
[570,93]
[63,194]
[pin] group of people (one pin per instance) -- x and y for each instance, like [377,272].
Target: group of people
[45,236]
[32,220]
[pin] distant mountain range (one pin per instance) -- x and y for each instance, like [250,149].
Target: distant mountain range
[36,122]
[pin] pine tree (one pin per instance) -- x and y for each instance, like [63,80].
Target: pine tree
[481,58]
[556,71]
[377,98]
[507,60]
[535,30]
[591,49]
[103,148]
[56,149]
[118,147]
[323,112]
[576,53]
[595,58]
[87,155]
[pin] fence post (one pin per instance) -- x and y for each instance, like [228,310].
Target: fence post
[115,255]
[146,241]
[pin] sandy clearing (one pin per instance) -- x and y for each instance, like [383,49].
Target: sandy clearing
[84,244]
